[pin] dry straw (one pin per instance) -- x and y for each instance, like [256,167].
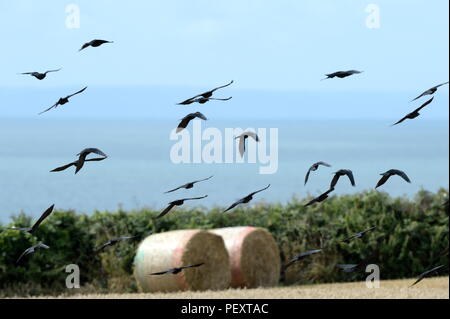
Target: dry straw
[178,248]
[254,256]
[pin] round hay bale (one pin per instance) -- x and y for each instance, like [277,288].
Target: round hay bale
[254,256]
[164,251]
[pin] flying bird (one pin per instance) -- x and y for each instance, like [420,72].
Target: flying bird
[392,172]
[349,267]
[242,139]
[32,229]
[321,198]
[113,242]
[32,250]
[246,199]
[358,235]
[94,43]
[342,172]
[426,274]
[185,120]
[40,76]
[414,113]
[302,256]
[205,95]
[188,185]
[63,100]
[178,202]
[176,270]
[313,168]
[203,100]
[82,159]
[342,74]
[430,91]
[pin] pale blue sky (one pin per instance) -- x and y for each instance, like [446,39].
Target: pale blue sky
[268,46]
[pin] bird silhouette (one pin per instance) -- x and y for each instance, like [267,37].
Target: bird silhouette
[321,198]
[340,173]
[392,172]
[341,74]
[185,120]
[430,91]
[245,199]
[113,242]
[313,168]
[38,75]
[31,250]
[188,185]
[242,139]
[414,113]
[82,159]
[177,202]
[33,229]
[206,95]
[176,270]
[426,274]
[358,235]
[203,100]
[63,100]
[302,256]
[94,43]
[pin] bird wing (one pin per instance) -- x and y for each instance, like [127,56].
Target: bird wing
[26,252]
[334,180]
[165,211]
[20,228]
[27,73]
[108,243]
[221,87]
[323,164]
[52,71]
[201,180]
[54,105]
[85,45]
[383,180]
[92,150]
[234,205]
[162,272]
[184,123]
[368,230]
[307,176]
[241,145]
[193,198]
[217,99]
[47,212]
[172,190]
[351,177]
[403,175]
[192,266]
[201,116]
[259,191]
[439,85]
[62,168]
[78,92]
[424,104]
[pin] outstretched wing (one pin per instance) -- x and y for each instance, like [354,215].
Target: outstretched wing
[62,168]
[162,272]
[233,205]
[193,198]
[351,177]
[78,92]
[403,175]
[307,176]
[26,252]
[172,190]
[424,104]
[217,99]
[165,211]
[52,70]
[241,145]
[334,180]
[383,180]
[323,164]
[222,86]
[192,266]
[201,180]
[54,105]
[85,45]
[184,123]
[259,191]
[41,219]
[108,243]
[439,85]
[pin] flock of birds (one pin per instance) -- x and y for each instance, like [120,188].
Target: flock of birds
[201,99]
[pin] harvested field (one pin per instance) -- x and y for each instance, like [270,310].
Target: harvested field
[432,288]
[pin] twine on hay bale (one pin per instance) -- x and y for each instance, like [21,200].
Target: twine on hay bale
[254,256]
[178,248]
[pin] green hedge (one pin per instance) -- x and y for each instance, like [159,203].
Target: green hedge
[409,238]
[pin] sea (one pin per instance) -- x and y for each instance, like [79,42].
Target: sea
[139,167]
